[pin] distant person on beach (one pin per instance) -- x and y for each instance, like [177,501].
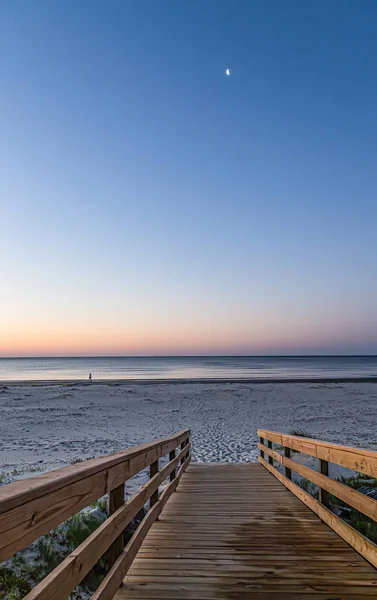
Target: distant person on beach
[90,377]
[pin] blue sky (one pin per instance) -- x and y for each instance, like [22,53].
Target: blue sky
[151,205]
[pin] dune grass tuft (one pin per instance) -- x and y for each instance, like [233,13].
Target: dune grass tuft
[78,528]
[302,433]
[29,566]
[12,586]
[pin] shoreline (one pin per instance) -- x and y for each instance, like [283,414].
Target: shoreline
[183,381]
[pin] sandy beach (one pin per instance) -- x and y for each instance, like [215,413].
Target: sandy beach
[48,426]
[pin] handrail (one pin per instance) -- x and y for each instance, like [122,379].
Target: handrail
[364,461]
[32,507]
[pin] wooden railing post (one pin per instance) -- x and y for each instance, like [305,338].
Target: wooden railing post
[287,454]
[261,441]
[153,470]
[270,459]
[174,471]
[323,494]
[116,501]
[184,443]
[188,451]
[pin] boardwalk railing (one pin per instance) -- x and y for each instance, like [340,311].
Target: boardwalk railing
[362,461]
[31,508]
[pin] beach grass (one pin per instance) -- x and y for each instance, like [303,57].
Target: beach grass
[13,586]
[353,517]
[19,574]
[302,433]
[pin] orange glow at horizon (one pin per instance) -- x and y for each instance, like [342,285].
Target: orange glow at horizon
[38,340]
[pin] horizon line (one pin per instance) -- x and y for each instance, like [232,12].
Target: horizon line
[146,356]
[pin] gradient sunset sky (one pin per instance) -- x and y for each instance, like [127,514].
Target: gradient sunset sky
[150,204]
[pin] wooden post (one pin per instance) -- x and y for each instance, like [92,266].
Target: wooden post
[172,457]
[116,501]
[185,457]
[323,494]
[270,459]
[261,441]
[153,470]
[188,451]
[287,454]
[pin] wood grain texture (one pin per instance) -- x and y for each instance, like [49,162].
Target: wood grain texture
[62,580]
[24,491]
[356,540]
[359,501]
[34,506]
[114,578]
[357,459]
[231,531]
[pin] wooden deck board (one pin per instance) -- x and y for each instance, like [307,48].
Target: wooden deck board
[232,531]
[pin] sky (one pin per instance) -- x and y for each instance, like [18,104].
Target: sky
[152,205]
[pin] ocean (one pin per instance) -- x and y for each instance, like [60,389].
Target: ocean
[193,367]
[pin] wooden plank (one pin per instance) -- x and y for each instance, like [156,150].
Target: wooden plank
[361,502]
[20,492]
[28,509]
[289,578]
[252,556]
[271,436]
[62,580]
[254,563]
[357,459]
[245,587]
[241,568]
[356,540]
[209,592]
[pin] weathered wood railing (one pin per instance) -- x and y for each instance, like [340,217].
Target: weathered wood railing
[31,508]
[362,461]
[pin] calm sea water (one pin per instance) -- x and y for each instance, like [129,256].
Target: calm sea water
[209,367]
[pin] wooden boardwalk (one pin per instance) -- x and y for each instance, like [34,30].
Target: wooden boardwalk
[232,531]
[225,531]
